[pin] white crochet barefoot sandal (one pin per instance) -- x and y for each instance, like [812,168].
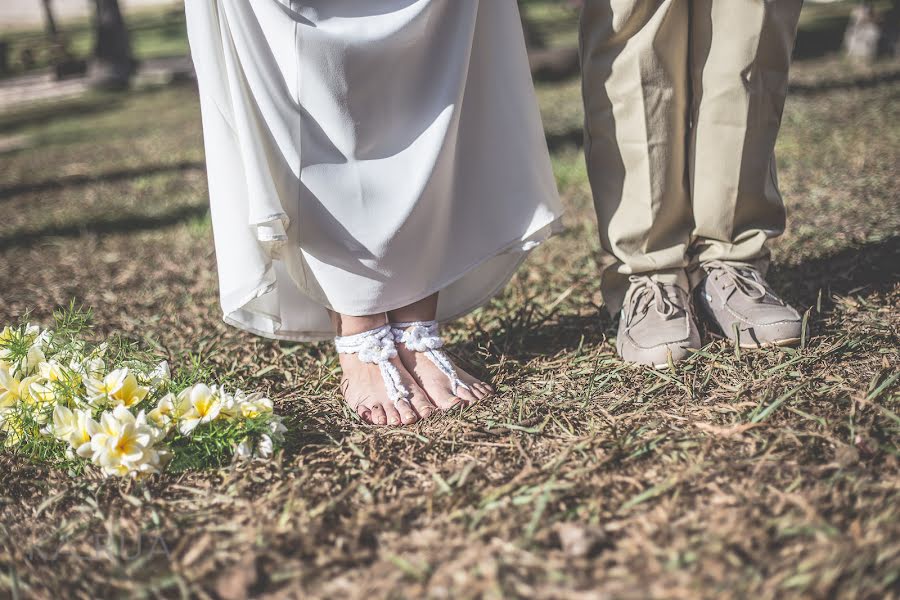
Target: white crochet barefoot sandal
[423,336]
[377,347]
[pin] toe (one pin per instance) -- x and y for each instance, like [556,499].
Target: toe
[407,415]
[378,416]
[423,406]
[481,390]
[364,413]
[392,414]
[451,402]
[467,394]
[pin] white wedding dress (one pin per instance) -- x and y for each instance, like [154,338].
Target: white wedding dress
[364,154]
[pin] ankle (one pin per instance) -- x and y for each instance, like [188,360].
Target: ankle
[347,325]
[423,310]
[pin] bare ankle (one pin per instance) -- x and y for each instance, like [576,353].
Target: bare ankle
[345,325]
[422,310]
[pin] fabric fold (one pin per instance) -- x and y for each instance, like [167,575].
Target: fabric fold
[423,167]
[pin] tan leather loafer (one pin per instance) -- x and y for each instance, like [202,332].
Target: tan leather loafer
[736,299]
[657,323]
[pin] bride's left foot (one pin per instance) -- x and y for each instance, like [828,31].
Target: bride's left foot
[447,385]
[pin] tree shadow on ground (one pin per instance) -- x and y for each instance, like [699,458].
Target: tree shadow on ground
[124,224]
[862,268]
[545,336]
[45,113]
[59,183]
[859,83]
[867,268]
[561,140]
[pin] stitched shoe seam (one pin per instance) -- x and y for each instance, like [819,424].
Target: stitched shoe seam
[740,317]
[680,342]
[748,321]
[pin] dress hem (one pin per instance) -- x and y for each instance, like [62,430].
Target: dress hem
[527,244]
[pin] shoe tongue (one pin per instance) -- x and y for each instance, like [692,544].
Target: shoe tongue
[672,302]
[663,298]
[745,288]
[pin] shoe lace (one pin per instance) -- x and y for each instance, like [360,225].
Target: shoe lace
[744,278]
[645,292]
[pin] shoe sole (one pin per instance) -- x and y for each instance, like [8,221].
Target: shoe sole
[775,344]
[716,334]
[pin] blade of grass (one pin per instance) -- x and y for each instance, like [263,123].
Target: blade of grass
[764,414]
[651,492]
[881,388]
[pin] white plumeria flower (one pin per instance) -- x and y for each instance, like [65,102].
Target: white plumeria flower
[102,388]
[277,428]
[92,367]
[203,405]
[38,396]
[253,405]
[32,360]
[229,406]
[35,338]
[39,390]
[9,387]
[244,450]
[54,371]
[119,386]
[168,410]
[123,443]
[30,332]
[265,447]
[243,406]
[161,374]
[33,390]
[75,427]
[12,428]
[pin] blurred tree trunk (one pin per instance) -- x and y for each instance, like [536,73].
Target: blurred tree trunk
[49,20]
[890,34]
[533,37]
[112,65]
[549,63]
[64,64]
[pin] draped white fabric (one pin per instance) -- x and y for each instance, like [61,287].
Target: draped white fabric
[364,154]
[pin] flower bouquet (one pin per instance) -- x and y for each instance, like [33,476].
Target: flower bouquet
[116,408]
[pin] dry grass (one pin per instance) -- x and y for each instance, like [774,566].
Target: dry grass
[765,474]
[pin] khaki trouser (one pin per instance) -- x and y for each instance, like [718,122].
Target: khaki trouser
[683,101]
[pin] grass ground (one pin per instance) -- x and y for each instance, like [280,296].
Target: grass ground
[767,474]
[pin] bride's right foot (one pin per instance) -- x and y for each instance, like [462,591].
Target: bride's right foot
[419,346]
[376,384]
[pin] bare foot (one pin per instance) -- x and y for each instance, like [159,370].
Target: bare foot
[364,391]
[437,385]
